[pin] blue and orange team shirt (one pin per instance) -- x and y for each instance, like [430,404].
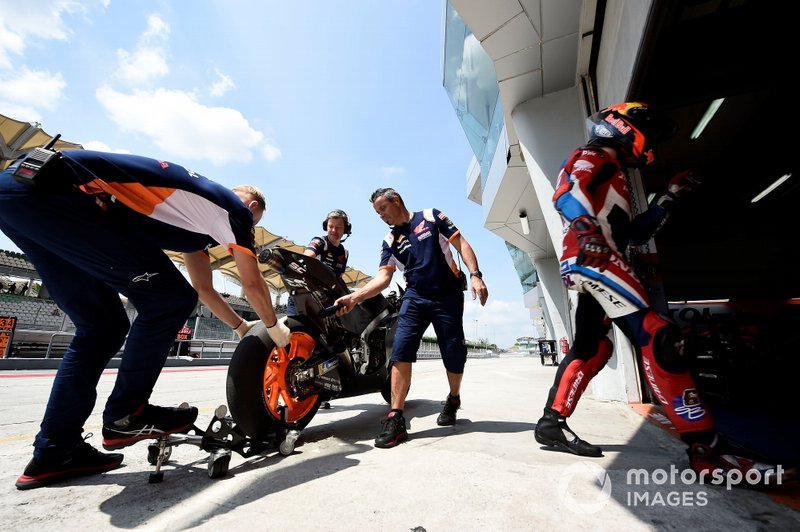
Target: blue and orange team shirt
[190,211]
[334,257]
[421,250]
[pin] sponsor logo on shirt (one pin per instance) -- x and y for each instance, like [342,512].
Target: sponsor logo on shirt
[419,228]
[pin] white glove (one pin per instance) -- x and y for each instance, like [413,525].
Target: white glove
[280,332]
[243,327]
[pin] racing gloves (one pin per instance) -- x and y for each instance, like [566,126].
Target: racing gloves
[243,327]
[679,186]
[280,333]
[593,250]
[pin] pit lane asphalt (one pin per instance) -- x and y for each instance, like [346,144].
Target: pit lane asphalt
[486,473]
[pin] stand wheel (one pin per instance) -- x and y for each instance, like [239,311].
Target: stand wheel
[286,448]
[152,454]
[218,464]
[155,478]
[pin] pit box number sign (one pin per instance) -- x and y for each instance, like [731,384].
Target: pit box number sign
[7,326]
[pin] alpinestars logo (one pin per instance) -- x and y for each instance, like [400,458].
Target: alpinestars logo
[144,277]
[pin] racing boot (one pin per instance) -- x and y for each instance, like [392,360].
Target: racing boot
[725,461]
[552,430]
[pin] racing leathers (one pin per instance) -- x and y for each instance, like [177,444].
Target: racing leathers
[593,199]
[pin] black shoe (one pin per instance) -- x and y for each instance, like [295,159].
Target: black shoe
[393,431]
[448,415]
[722,459]
[84,460]
[149,421]
[552,430]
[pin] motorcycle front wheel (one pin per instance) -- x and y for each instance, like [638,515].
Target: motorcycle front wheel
[261,396]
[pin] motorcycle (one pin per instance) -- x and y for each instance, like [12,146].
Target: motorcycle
[271,390]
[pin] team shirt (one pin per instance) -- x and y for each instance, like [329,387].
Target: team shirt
[421,250]
[180,209]
[334,257]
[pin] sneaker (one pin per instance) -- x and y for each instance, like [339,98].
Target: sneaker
[149,421]
[718,462]
[552,430]
[84,460]
[393,431]
[448,415]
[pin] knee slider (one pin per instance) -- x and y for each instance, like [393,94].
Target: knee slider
[668,345]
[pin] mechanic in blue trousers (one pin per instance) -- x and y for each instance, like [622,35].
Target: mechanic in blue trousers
[418,244]
[95,226]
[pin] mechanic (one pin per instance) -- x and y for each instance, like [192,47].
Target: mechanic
[418,244]
[95,226]
[329,248]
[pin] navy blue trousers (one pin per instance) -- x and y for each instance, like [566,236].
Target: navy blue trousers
[87,256]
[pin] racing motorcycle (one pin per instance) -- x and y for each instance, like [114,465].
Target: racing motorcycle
[272,390]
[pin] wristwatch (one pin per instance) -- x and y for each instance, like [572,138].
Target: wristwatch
[476,273]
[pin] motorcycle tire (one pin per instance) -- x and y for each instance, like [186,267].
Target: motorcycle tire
[259,396]
[386,391]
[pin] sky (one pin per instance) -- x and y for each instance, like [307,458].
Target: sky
[318,103]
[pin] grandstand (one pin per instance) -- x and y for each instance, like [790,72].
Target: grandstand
[43,330]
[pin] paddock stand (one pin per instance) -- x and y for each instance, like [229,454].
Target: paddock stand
[220,439]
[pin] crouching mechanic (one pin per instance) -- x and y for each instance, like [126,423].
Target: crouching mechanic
[94,225]
[593,199]
[419,245]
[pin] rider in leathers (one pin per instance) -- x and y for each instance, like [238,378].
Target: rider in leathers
[593,198]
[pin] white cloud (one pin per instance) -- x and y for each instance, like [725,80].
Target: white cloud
[10,43]
[270,152]
[142,66]
[33,88]
[25,21]
[222,85]
[97,145]
[148,62]
[185,128]
[157,30]
[389,171]
[23,113]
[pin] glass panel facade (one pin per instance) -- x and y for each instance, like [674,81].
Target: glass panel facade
[525,269]
[471,84]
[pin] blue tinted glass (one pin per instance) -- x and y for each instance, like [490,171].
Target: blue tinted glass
[524,266]
[471,84]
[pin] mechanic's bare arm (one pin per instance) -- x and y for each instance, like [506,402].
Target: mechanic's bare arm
[477,284]
[373,287]
[199,268]
[254,286]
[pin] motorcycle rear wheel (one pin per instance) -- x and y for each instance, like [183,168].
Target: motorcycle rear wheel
[258,387]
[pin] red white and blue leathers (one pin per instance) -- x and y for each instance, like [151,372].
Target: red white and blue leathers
[593,184]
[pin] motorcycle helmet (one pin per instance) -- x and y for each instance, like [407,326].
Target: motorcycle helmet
[632,128]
